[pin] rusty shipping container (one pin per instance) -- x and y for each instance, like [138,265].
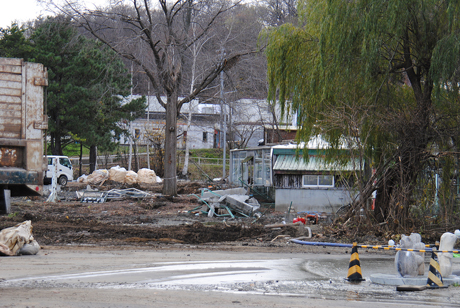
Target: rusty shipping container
[22,125]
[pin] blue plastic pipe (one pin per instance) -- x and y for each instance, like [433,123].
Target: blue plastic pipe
[321,244]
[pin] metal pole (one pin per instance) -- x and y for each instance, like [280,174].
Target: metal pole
[223,121]
[148,123]
[53,195]
[130,124]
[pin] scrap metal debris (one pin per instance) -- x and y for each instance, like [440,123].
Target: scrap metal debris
[127,193]
[224,203]
[96,196]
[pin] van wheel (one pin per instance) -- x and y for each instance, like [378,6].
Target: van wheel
[62,180]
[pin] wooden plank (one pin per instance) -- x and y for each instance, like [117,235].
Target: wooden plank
[6,114]
[7,102]
[10,92]
[11,69]
[10,77]
[13,105]
[10,61]
[11,84]
[10,121]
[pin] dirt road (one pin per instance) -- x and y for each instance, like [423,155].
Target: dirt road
[67,276]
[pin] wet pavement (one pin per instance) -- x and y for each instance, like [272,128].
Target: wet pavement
[316,276]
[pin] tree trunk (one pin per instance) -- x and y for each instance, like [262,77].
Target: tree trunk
[136,158]
[92,158]
[80,163]
[187,142]
[169,183]
[394,194]
[56,148]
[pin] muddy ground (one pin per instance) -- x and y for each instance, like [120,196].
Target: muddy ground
[157,220]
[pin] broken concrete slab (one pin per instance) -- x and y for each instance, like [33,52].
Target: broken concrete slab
[242,203]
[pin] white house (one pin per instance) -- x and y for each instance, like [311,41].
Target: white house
[245,121]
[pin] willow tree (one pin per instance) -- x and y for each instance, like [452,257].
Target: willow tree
[381,74]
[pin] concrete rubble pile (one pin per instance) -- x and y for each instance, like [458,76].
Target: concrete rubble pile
[230,202]
[18,240]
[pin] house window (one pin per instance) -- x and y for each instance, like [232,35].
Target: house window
[310,180]
[205,136]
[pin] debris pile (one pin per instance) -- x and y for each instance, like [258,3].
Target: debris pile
[227,203]
[95,196]
[18,240]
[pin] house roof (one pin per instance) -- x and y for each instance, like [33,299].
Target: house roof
[295,163]
[315,142]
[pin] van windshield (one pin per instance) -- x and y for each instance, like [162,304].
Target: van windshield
[65,162]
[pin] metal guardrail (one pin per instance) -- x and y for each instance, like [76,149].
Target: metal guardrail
[383,247]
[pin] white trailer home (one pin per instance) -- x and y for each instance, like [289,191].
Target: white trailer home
[282,173]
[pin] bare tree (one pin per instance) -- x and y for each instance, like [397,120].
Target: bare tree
[195,50]
[156,36]
[280,11]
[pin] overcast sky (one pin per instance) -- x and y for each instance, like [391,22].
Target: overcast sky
[24,10]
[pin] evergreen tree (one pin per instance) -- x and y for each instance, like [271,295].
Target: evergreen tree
[13,43]
[87,83]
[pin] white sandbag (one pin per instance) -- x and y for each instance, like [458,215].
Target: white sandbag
[159,180]
[82,179]
[29,249]
[408,263]
[13,239]
[146,176]
[131,177]
[447,242]
[117,174]
[98,176]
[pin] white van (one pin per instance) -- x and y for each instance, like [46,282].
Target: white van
[64,170]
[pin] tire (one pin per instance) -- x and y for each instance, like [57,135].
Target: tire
[62,180]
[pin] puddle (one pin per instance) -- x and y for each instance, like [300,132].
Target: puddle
[321,278]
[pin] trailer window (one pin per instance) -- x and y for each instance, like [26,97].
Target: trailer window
[310,180]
